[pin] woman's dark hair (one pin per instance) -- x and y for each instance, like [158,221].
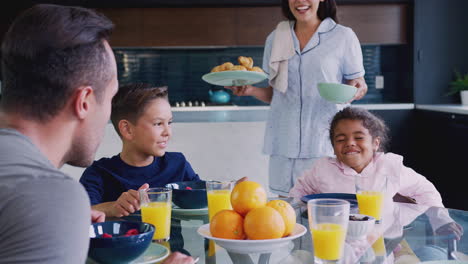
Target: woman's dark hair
[376,126]
[131,101]
[326,9]
[49,51]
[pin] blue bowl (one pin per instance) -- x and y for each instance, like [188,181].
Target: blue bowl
[186,198]
[118,248]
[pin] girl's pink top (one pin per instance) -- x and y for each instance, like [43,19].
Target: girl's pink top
[328,175]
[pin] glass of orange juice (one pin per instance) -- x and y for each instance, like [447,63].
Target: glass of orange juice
[155,204]
[370,195]
[219,196]
[328,222]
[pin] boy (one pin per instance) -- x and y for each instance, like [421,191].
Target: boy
[141,115]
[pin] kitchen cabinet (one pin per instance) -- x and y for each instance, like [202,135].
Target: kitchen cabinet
[442,154]
[402,133]
[440,47]
[242,26]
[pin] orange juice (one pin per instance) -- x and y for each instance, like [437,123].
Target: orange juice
[370,203]
[379,247]
[158,214]
[218,200]
[328,240]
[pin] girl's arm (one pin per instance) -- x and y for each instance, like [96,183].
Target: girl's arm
[416,186]
[305,184]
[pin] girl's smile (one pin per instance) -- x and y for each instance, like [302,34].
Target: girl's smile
[353,144]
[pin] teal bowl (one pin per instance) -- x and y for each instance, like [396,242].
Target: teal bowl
[336,92]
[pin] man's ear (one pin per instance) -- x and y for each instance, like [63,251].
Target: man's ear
[126,129]
[84,99]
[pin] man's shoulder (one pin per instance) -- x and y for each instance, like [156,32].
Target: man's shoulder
[22,161]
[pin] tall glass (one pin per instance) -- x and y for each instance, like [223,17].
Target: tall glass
[328,222]
[219,196]
[156,208]
[370,194]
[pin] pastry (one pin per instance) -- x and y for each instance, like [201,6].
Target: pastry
[256,69]
[245,61]
[227,66]
[239,68]
[216,69]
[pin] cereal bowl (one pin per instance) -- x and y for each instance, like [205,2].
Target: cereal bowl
[359,226]
[119,241]
[189,194]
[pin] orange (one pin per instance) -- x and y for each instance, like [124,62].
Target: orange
[227,224]
[246,196]
[287,212]
[264,223]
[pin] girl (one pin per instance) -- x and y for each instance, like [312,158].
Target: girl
[358,138]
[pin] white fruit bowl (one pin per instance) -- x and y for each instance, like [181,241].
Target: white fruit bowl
[252,246]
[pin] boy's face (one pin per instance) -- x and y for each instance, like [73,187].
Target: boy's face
[152,130]
[353,144]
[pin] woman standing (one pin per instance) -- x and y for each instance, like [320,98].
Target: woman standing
[310,47]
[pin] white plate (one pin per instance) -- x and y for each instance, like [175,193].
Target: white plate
[179,211]
[154,253]
[234,78]
[252,246]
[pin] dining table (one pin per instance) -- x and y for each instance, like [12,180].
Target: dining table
[407,233]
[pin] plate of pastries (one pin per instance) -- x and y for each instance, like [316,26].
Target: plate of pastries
[230,74]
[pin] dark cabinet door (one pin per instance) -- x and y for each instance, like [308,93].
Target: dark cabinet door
[440,47]
[442,154]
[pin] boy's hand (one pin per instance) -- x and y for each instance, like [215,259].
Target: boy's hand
[241,180]
[97,216]
[128,202]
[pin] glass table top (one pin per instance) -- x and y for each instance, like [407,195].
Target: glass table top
[409,232]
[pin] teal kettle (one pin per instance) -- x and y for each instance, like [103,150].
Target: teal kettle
[219,96]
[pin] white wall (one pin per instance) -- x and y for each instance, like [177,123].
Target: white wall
[218,150]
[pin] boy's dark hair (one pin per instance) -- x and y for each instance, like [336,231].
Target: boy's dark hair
[131,101]
[326,9]
[48,51]
[376,126]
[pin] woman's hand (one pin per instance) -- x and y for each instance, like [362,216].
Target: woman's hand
[262,94]
[361,85]
[245,90]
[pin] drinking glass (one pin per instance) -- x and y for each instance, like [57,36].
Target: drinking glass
[370,194]
[219,196]
[156,208]
[328,222]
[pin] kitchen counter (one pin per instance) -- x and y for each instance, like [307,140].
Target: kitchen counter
[250,113]
[447,108]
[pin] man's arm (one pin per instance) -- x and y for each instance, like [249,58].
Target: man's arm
[44,220]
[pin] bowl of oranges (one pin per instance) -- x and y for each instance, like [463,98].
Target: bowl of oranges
[254,225]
